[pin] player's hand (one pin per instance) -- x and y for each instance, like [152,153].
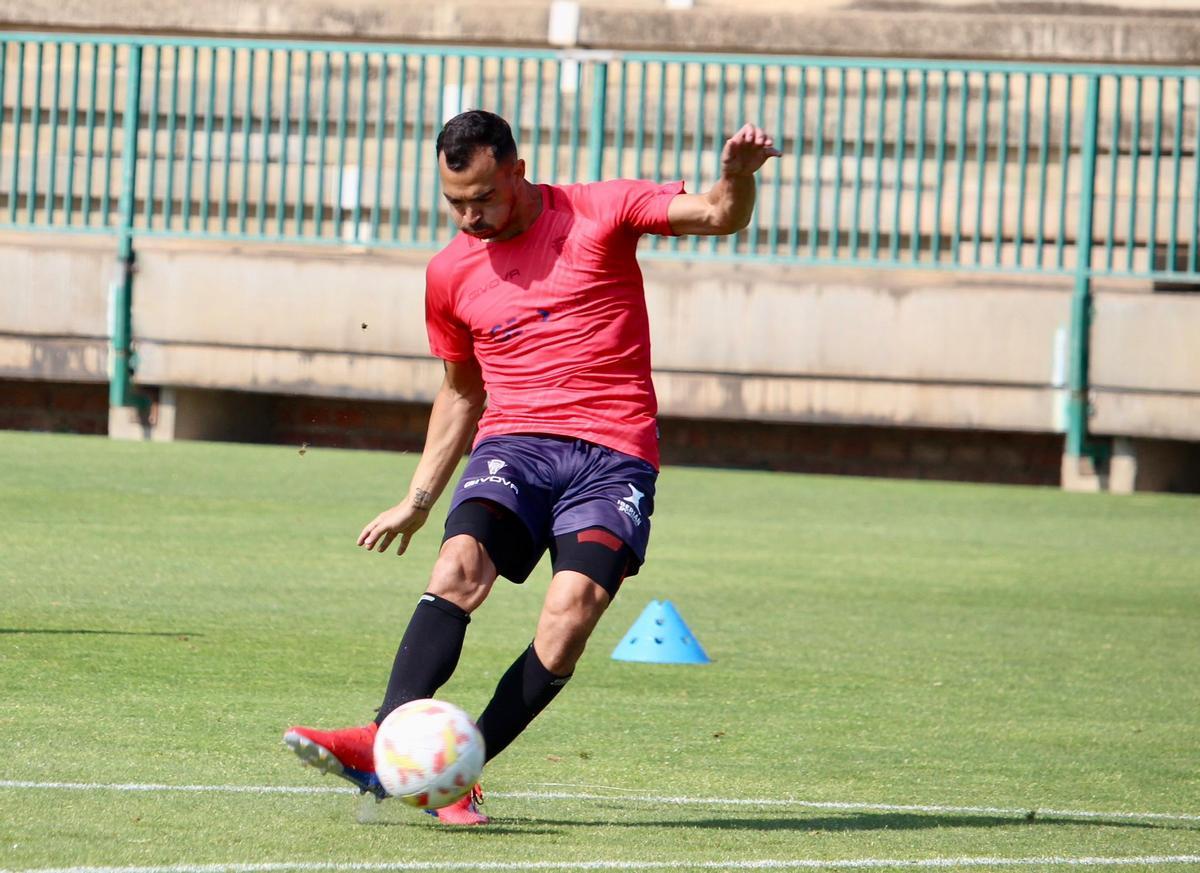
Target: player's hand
[746,151]
[402,520]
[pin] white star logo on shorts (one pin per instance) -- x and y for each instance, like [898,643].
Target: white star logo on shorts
[495,466]
[635,496]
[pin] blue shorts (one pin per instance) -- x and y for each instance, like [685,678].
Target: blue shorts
[559,485]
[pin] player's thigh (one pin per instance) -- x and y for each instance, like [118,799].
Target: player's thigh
[497,533]
[596,554]
[503,501]
[603,529]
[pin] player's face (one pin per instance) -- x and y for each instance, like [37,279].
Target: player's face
[483,195]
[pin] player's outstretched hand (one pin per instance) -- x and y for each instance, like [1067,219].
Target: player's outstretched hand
[402,520]
[746,151]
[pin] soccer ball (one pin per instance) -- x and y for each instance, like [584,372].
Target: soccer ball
[428,753]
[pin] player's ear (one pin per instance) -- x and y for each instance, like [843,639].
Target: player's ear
[519,169]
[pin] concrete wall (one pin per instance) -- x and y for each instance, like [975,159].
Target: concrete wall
[728,343]
[53,307]
[1146,365]
[845,347]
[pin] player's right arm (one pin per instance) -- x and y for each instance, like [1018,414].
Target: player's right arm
[726,207]
[456,410]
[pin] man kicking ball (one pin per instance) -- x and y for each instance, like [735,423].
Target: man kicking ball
[538,308]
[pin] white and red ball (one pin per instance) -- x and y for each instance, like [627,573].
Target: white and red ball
[428,753]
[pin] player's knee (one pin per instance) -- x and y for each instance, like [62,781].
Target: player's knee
[560,652]
[463,573]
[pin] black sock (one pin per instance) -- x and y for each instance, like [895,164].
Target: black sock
[428,652]
[523,691]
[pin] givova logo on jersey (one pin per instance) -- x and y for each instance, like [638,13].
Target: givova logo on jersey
[495,465]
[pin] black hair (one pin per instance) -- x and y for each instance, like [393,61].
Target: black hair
[470,131]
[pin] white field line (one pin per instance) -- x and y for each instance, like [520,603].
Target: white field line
[150,786]
[766,864]
[661,800]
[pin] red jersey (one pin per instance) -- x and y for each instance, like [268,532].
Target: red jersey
[556,316]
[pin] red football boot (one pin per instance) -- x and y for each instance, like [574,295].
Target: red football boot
[464,811]
[349,753]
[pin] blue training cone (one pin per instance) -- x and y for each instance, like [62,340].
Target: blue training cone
[660,636]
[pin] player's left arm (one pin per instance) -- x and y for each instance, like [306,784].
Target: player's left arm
[726,207]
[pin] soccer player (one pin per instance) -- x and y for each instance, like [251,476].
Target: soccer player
[538,310]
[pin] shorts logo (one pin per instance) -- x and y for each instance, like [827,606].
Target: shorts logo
[635,497]
[491,480]
[495,465]
[631,505]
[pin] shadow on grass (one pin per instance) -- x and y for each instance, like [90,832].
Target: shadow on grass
[85,631]
[500,829]
[893,821]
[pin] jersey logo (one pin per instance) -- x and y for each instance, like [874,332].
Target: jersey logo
[505,332]
[492,283]
[495,466]
[635,497]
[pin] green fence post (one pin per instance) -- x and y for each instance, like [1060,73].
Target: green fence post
[596,124]
[121,360]
[1078,443]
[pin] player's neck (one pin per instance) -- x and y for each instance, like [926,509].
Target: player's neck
[525,213]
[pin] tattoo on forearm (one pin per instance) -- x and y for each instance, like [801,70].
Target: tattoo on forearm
[422,499]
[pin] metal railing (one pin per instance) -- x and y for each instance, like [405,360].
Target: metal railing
[1077,171]
[926,164]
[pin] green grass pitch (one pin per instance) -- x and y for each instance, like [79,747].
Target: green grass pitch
[877,646]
